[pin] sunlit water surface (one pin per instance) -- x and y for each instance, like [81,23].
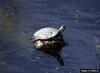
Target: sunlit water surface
[19,19]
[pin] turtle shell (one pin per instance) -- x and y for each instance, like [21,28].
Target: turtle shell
[45,33]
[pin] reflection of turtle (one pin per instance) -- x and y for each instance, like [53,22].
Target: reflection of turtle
[50,40]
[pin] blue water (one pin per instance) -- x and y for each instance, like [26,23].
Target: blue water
[82,20]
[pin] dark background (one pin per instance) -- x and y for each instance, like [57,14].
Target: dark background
[19,19]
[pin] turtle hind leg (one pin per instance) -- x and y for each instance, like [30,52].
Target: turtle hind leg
[60,60]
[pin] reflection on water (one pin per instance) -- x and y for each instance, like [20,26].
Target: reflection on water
[10,14]
[16,52]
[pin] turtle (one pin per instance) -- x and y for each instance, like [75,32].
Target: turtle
[50,40]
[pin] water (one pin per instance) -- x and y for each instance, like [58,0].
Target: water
[19,19]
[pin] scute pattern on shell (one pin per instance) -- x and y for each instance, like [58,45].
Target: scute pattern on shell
[45,33]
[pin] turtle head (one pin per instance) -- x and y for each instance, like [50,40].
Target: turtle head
[62,28]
